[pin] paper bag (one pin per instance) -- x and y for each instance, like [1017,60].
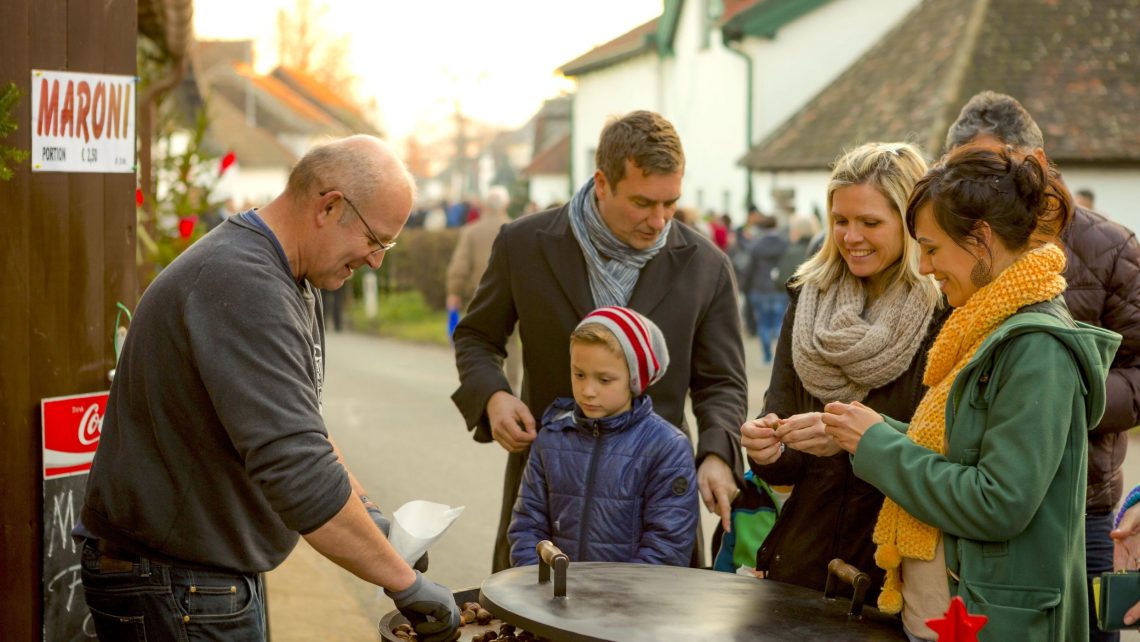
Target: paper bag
[418,524]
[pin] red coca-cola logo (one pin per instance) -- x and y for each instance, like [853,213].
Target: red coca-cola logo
[71,430]
[91,425]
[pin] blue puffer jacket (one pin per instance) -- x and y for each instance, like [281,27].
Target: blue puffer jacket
[618,489]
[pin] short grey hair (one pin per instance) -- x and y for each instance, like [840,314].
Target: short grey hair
[498,198]
[354,169]
[998,115]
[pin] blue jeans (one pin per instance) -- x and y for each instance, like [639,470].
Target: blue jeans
[768,309]
[133,598]
[1098,559]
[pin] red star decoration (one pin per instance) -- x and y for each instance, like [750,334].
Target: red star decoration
[957,625]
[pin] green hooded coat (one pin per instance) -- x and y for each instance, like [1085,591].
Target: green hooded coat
[1009,494]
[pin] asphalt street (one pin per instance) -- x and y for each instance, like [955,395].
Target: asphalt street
[387,405]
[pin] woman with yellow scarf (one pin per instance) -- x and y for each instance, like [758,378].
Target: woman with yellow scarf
[986,485]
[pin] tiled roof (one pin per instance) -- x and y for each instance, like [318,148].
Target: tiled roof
[551,123]
[284,94]
[734,7]
[324,98]
[636,41]
[554,160]
[253,146]
[219,56]
[763,18]
[1074,64]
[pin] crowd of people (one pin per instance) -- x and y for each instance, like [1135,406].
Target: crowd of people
[955,356]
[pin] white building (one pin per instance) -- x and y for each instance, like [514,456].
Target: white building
[679,65]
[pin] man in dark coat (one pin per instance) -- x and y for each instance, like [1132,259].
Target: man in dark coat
[613,244]
[1102,270]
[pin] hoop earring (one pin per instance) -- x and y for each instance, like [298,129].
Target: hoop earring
[981,275]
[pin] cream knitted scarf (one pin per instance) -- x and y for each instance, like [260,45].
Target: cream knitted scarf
[842,350]
[1033,278]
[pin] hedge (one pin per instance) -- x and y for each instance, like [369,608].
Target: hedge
[417,264]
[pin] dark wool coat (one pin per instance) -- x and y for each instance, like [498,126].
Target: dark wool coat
[831,512]
[616,489]
[537,279]
[1103,272]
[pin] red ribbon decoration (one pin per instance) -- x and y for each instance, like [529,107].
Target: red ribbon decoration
[186,226]
[229,159]
[138,197]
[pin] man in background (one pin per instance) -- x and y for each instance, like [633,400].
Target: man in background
[1085,198]
[469,261]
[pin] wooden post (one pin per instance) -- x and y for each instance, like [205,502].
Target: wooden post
[67,253]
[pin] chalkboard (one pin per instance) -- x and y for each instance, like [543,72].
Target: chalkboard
[71,429]
[65,612]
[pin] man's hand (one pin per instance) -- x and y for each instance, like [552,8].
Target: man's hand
[512,425]
[385,526]
[805,433]
[718,488]
[430,608]
[760,440]
[846,423]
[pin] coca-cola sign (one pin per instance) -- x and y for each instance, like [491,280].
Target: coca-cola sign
[71,429]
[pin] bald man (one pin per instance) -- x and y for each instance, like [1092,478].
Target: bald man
[214,457]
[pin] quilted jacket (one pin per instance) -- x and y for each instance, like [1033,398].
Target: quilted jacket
[1103,272]
[617,489]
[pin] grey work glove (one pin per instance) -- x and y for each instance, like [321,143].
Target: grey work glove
[385,526]
[430,609]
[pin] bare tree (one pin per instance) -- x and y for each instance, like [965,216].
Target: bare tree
[304,44]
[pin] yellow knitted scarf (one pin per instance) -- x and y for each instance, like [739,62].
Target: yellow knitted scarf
[1034,277]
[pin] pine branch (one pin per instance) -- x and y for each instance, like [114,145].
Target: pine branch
[9,98]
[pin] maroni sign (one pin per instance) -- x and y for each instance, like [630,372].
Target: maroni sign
[82,122]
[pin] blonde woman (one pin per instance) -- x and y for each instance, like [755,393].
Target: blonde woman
[986,484]
[858,326]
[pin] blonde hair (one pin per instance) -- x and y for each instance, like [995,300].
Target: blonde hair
[892,169]
[596,334]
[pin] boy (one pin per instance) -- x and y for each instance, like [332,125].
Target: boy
[609,480]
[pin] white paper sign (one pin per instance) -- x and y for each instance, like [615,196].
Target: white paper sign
[83,122]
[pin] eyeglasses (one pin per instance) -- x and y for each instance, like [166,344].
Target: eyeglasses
[373,241]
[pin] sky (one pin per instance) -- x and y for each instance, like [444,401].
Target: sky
[498,58]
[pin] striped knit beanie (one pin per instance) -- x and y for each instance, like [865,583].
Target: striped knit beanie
[641,341]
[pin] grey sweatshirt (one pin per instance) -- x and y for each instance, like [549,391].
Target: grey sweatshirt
[213,451]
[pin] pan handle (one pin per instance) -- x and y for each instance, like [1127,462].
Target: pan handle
[837,570]
[550,556]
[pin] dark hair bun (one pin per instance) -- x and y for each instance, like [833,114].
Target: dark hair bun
[1030,180]
[1019,196]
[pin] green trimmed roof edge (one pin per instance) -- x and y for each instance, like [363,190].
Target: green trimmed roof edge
[765,19]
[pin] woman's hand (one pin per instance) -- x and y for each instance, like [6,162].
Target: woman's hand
[1126,541]
[760,440]
[846,422]
[1126,551]
[805,432]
